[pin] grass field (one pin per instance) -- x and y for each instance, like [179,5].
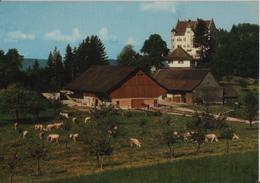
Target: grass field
[64,163]
[232,168]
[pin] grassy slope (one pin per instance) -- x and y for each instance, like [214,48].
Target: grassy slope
[232,168]
[62,163]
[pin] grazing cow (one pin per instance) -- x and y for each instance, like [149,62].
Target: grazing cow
[64,114]
[74,119]
[74,137]
[186,135]
[58,125]
[134,142]
[49,127]
[53,138]
[38,127]
[25,133]
[41,135]
[211,137]
[235,137]
[16,125]
[176,134]
[87,119]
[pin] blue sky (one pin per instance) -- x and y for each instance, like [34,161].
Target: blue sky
[35,28]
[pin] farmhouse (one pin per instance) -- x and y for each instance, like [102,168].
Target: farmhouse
[179,58]
[123,86]
[186,85]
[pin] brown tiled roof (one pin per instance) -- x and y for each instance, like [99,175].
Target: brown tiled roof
[181,26]
[179,54]
[229,91]
[101,79]
[180,79]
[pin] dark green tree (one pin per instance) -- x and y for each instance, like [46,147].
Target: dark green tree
[127,56]
[155,48]
[250,106]
[69,64]
[91,51]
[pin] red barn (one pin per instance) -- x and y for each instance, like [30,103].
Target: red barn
[123,86]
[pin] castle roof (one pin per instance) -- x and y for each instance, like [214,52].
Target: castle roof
[181,26]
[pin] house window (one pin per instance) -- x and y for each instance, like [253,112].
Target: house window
[179,39]
[188,31]
[117,103]
[184,39]
[139,74]
[188,45]
[180,62]
[184,46]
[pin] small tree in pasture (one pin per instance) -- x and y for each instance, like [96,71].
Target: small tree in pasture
[250,106]
[67,128]
[37,152]
[227,133]
[12,165]
[97,142]
[170,140]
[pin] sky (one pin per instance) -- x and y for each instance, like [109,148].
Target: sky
[35,28]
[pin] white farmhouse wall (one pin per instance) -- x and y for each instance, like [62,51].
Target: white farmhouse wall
[179,64]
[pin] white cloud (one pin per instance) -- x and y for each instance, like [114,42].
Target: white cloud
[19,35]
[104,35]
[57,35]
[131,41]
[165,7]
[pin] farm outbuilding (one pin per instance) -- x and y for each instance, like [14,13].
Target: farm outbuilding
[123,86]
[187,85]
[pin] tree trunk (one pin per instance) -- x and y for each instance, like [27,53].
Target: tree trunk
[101,162]
[43,142]
[227,145]
[198,148]
[38,166]
[98,160]
[250,123]
[16,115]
[11,178]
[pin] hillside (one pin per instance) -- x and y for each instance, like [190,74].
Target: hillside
[27,62]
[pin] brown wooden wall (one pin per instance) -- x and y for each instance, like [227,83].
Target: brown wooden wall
[139,86]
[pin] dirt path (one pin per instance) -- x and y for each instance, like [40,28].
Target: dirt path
[189,112]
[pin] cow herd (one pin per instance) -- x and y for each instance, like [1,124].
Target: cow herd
[186,136]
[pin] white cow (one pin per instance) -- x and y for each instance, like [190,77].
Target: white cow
[39,127]
[58,125]
[53,138]
[87,119]
[41,135]
[74,119]
[49,127]
[134,142]
[74,137]
[211,137]
[16,125]
[25,133]
[64,114]
[235,137]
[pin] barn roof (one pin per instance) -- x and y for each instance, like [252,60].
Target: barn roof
[180,79]
[101,79]
[181,26]
[179,54]
[229,91]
